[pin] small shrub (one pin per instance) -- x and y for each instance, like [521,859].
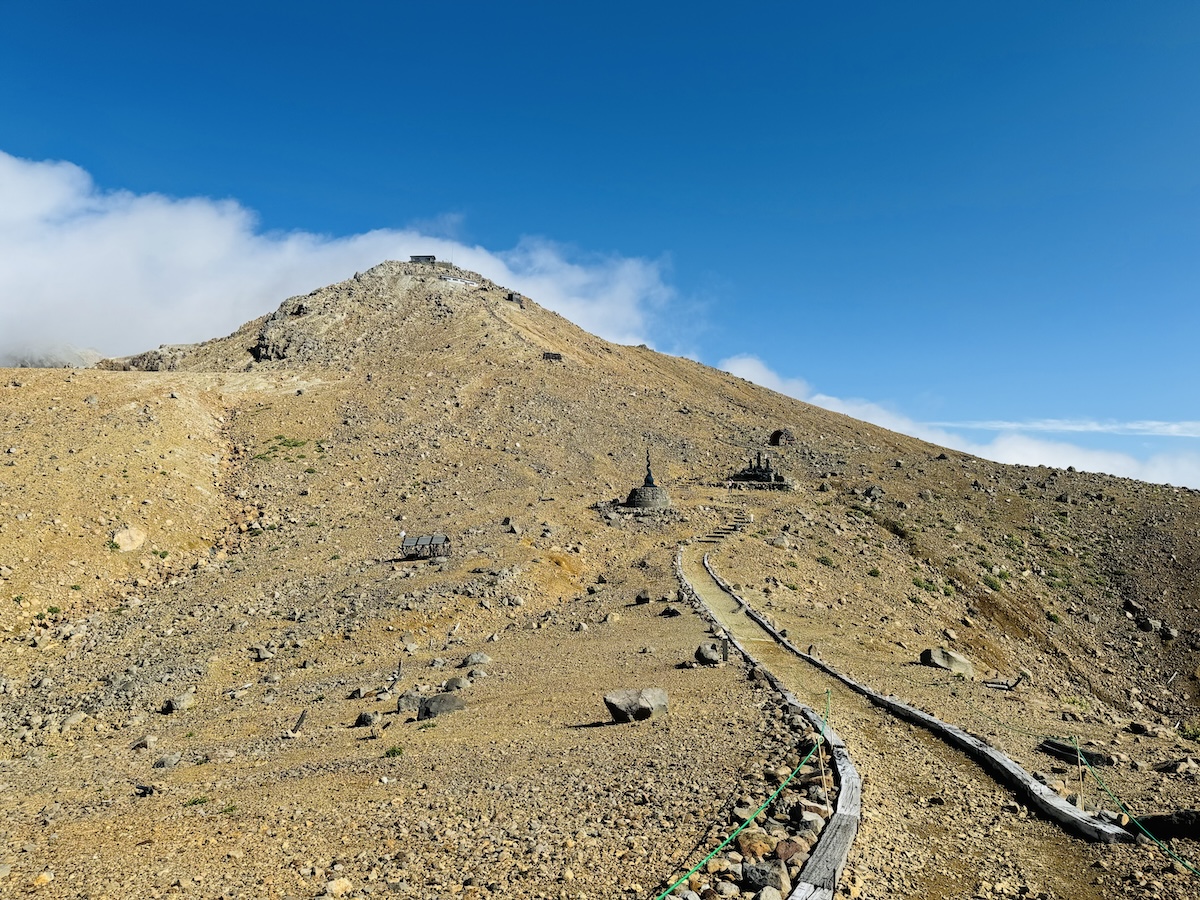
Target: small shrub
[1190,728]
[993,583]
[873,572]
[113,545]
[393,752]
[77,587]
[310,471]
[53,610]
[1053,617]
[826,561]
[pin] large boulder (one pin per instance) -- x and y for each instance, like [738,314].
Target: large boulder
[941,658]
[708,654]
[634,704]
[439,704]
[129,538]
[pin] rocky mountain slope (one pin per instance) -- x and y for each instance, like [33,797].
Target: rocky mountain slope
[200,543]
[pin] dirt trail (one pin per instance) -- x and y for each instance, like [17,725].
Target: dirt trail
[934,824]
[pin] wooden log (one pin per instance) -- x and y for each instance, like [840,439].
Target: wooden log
[997,764]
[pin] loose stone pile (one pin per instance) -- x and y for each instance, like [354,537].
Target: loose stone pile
[767,855]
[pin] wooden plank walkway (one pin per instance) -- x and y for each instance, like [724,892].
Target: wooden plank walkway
[996,763]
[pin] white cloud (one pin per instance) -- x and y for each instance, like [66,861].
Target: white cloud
[1012,446]
[1141,427]
[123,272]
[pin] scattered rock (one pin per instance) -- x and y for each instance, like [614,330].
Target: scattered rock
[439,704]
[129,539]
[634,705]
[941,658]
[708,654]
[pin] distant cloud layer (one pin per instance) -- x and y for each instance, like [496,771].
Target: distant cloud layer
[1012,446]
[119,272]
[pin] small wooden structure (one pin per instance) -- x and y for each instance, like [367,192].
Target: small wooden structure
[426,546]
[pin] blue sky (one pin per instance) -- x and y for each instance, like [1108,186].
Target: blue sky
[976,222]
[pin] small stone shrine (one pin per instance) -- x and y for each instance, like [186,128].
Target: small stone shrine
[759,474]
[648,495]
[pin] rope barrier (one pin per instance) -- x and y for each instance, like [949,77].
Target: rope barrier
[1096,775]
[725,843]
[1132,818]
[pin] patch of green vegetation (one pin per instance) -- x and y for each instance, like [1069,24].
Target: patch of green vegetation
[53,610]
[197,801]
[791,587]
[310,471]
[993,583]
[335,556]
[1053,617]
[393,752]
[873,572]
[113,545]
[228,810]
[1190,728]
[826,561]
[77,587]
[40,616]
[426,725]
[925,584]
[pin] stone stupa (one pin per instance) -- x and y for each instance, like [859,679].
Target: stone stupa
[648,495]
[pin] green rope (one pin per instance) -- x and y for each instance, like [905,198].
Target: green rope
[1167,850]
[766,803]
[1100,781]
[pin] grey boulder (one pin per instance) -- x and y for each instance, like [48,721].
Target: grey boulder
[634,704]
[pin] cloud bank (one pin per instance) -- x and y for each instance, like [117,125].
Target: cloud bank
[120,272]
[1011,446]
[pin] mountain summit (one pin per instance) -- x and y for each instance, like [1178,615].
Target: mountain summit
[219,658]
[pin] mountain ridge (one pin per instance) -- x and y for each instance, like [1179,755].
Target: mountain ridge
[270,472]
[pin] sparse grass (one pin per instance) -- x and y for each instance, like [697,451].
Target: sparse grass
[197,801]
[826,561]
[992,582]
[393,752]
[53,610]
[426,725]
[1190,728]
